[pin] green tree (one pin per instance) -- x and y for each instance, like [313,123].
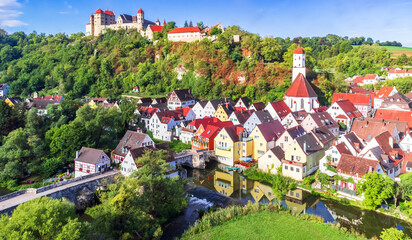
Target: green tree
[43,218]
[215,31]
[393,234]
[271,50]
[377,189]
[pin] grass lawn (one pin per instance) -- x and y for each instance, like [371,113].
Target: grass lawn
[271,225]
[397,51]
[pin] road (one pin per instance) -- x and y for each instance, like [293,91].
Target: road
[29,196]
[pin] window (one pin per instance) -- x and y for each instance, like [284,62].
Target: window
[286,167]
[297,169]
[292,157]
[286,138]
[297,195]
[291,168]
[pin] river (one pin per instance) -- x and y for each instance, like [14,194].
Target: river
[216,185]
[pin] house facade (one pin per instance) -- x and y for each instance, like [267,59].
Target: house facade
[271,160]
[256,118]
[89,161]
[228,145]
[180,98]
[130,140]
[4,89]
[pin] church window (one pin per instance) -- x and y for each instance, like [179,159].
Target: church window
[301,103]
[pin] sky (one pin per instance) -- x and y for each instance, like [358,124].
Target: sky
[381,20]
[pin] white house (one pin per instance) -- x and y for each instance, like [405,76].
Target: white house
[344,111]
[180,98]
[89,161]
[130,163]
[383,93]
[278,110]
[199,109]
[243,102]
[271,160]
[256,118]
[406,143]
[185,34]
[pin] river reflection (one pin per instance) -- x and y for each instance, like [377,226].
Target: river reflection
[232,184]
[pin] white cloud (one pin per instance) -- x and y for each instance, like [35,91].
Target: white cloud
[12,23]
[9,3]
[8,14]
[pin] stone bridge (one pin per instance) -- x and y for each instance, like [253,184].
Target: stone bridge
[193,158]
[79,191]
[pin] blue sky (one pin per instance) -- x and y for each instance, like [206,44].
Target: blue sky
[381,20]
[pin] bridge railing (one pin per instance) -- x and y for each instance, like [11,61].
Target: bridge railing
[58,184]
[12,195]
[46,188]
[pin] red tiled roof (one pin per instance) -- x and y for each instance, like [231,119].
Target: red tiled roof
[341,147]
[356,99]
[55,98]
[358,79]
[271,130]
[209,131]
[281,109]
[341,116]
[233,132]
[384,92]
[366,129]
[356,165]
[140,10]
[258,106]
[320,109]
[400,71]
[300,88]
[185,30]
[205,121]
[109,12]
[350,110]
[98,11]
[299,50]
[389,114]
[156,28]
[164,22]
[409,95]
[371,76]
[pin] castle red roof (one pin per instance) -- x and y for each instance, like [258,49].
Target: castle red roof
[109,12]
[140,10]
[299,50]
[98,11]
[164,22]
[300,88]
[185,30]
[156,28]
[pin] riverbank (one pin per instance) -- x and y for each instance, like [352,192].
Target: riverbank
[391,211]
[263,222]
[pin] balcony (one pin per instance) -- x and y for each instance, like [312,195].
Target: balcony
[246,139]
[222,148]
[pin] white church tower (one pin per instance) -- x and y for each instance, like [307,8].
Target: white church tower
[300,96]
[298,63]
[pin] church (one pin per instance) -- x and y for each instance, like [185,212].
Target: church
[300,95]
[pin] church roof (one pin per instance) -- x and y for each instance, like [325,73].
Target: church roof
[300,88]
[299,50]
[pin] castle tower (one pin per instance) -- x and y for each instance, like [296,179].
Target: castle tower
[157,22]
[140,19]
[164,23]
[98,22]
[298,62]
[92,25]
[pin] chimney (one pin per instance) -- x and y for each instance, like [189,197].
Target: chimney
[370,169]
[240,136]
[304,147]
[138,130]
[77,154]
[367,123]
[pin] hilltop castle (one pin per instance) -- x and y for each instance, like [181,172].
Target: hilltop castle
[102,20]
